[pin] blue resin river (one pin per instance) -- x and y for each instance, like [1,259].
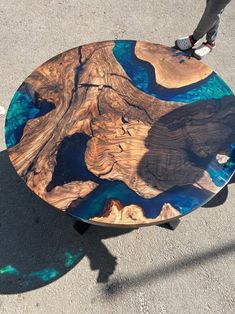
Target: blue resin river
[142,75]
[70,158]
[22,108]
[185,198]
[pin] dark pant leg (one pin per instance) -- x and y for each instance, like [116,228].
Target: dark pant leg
[209,22]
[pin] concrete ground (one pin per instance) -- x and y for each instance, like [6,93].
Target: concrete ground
[45,266]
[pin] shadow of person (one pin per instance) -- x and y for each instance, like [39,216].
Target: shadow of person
[39,244]
[183,142]
[99,256]
[162,271]
[187,53]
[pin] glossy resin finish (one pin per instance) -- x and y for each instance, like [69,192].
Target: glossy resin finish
[123,133]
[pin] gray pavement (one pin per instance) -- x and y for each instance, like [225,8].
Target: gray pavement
[147,270]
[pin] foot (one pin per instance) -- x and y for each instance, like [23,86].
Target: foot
[185,43]
[203,50]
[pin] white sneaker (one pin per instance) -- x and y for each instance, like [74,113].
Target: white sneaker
[203,50]
[185,43]
[2,110]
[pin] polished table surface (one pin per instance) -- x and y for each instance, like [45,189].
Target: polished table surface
[123,133]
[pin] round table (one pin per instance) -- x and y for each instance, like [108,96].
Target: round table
[123,133]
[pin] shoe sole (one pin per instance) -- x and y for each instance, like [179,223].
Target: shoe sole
[177,47]
[196,56]
[200,58]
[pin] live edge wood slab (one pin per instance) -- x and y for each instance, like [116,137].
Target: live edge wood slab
[123,133]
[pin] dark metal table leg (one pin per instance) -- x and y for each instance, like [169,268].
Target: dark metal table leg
[171,225]
[81,227]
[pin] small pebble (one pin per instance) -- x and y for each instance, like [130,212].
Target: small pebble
[2,110]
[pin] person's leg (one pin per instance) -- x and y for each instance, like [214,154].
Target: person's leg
[209,22]
[185,43]
[216,8]
[213,32]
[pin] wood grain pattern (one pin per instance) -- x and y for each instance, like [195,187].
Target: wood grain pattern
[145,142]
[115,213]
[169,73]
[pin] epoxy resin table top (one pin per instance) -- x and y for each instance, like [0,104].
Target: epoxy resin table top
[123,133]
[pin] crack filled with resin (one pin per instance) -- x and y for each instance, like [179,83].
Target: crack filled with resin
[128,133]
